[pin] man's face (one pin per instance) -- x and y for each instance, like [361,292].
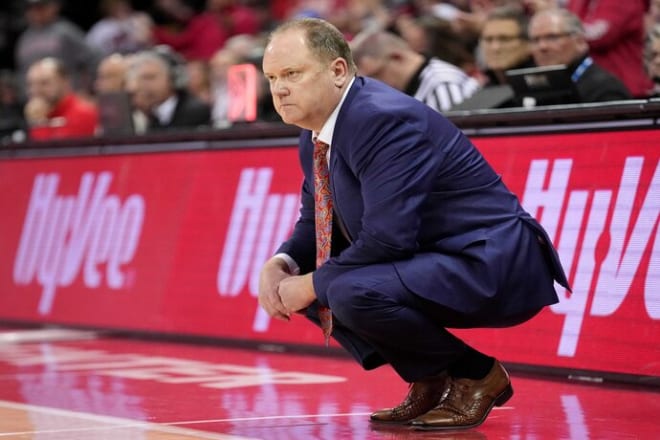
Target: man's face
[219,65]
[653,58]
[153,83]
[44,82]
[503,45]
[110,76]
[654,11]
[305,89]
[551,43]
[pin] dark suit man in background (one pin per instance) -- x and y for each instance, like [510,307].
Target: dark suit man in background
[557,37]
[425,234]
[160,88]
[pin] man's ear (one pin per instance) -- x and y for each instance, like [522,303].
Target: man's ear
[339,68]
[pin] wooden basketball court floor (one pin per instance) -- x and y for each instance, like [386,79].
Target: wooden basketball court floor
[59,384]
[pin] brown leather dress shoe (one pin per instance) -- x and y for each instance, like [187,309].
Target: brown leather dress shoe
[468,402]
[422,396]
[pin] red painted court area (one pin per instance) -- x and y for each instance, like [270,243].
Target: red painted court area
[76,385]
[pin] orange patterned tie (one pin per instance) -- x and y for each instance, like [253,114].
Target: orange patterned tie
[323,222]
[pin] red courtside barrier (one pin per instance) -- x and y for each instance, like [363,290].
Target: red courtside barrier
[172,242]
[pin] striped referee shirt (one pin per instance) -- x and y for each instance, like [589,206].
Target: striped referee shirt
[441,85]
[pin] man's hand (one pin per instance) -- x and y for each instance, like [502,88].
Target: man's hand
[274,271]
[297,292]
[36,111]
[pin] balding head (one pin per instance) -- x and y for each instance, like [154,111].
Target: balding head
[48,79]
[556,37]
[111,74]
[376,44]
[386,57]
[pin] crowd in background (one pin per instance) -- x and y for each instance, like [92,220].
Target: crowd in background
[172,61]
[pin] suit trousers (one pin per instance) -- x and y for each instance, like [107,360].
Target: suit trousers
[380,321]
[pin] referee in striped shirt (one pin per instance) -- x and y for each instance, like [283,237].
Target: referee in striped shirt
[385,56]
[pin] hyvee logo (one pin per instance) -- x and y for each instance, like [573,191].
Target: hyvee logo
[259,223]
[576,219]
[586,215]
[64,234]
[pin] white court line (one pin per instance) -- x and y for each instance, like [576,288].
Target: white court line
[117,422]
[45,335]
[170,427]
[298,416]
[252,419]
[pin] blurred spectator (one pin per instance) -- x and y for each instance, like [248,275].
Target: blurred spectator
[471,22]
[53,110]
[235,17]
[387,57]
[12,122]
[111,75]
[353,16]
[199,36]
[161,92]
[504,44]
[198,75]
[409,27]
[652,59]
[652,16]
[557,37]
[439,39]
[615,32]
[139,104]
[219,65]
[121,30]
[246,47]
[534,6]
[204,33]
[49,35]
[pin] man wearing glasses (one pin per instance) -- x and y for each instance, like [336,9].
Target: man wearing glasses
[503,44]
[556,37]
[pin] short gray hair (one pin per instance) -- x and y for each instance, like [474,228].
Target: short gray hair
[571,22]
[510,13]
[324,40]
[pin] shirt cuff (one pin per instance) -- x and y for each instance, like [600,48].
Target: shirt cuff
[294,269]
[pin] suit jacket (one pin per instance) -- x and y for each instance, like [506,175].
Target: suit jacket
[190,112]
[411,191]
[598,85]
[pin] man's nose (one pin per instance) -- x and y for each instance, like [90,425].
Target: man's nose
[279,88]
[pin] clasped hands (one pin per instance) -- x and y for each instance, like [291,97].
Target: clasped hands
[281,293]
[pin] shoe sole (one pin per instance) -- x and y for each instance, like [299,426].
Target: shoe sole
[500,400]
[391,422]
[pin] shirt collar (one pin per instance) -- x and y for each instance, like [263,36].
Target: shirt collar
[165,111]
[415,80]
[325,135]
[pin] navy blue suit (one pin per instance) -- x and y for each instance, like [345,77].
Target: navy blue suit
[434,239]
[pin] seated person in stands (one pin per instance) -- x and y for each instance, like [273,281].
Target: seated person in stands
[389,58]
[557,37]
[53,110]
[111,74]
[503,44]
[652,59]
[159,78]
